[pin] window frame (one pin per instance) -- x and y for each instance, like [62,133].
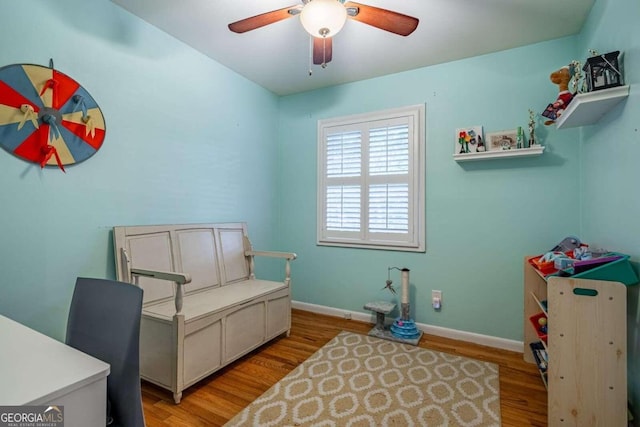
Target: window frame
[414,115]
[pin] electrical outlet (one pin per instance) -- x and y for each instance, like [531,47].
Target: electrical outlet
[436,300]
[347,316]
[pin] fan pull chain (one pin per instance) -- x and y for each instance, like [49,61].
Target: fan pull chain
[324,52]
[310,55]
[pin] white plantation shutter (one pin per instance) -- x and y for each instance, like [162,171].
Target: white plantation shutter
[389,158]
[389,208]
[343,208]
[343,164]
[371,180]
[389,150]
[344,154]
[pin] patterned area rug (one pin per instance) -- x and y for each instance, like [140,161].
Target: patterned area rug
[357,380]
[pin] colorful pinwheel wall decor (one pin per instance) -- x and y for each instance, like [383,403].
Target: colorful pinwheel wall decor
[46,117]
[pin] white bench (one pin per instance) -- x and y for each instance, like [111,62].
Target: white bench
[203,307]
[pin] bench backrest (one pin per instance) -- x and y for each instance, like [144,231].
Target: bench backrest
[213,254]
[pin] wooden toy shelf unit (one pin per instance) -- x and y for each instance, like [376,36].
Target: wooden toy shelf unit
[586,341]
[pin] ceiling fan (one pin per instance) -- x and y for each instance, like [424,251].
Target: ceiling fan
[323,19]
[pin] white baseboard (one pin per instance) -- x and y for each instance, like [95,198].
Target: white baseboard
[455,334]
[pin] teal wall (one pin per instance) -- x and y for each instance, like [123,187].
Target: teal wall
[187,141]
[482,218]
[610,154]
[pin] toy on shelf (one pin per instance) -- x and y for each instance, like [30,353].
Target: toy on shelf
[572,258]
[578,83]
[560,257]
[560,77]
[539,323]
[532,128]
[568,244]
[542,322]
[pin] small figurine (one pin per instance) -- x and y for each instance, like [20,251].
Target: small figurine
[560,77]
[520,138]
[532,127]
[471,138]
[463,140]
[543,325]
[577,83]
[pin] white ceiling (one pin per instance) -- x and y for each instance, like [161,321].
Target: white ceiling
[277,56]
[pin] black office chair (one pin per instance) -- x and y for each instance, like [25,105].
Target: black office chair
[104,322]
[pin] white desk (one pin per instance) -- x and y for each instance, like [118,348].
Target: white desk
[38,370]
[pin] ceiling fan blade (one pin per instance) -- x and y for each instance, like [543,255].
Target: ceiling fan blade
[322,50]
[384,19]
[248,24]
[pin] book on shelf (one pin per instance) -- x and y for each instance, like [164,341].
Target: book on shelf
[540,354]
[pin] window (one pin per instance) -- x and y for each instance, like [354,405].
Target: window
[371,171]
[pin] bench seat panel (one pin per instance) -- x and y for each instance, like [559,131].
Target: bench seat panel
[244,329]
[215,300]
[278,315]
[202,352]
[156,351]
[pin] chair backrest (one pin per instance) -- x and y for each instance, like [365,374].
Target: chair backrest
[104,322]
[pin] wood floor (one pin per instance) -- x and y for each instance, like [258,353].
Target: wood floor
[216,399]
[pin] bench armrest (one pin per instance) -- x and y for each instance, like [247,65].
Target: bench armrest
[286,255]
[180,279]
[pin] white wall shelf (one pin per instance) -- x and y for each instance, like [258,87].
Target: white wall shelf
[587,108]
[536,150]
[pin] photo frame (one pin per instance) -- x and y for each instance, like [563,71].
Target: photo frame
[502,140]
[469,140]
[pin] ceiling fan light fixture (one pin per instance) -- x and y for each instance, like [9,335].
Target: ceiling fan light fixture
[323,18]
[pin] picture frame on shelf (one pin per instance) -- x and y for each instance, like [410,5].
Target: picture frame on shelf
[502,140]
[469,140]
